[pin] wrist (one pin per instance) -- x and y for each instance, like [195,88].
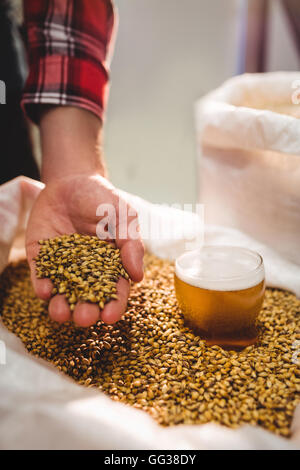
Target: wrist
[71,143]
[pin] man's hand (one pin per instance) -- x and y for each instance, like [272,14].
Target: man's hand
[72,170]
[69,205]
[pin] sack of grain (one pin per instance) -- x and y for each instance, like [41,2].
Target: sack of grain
[42,408]
[249,158]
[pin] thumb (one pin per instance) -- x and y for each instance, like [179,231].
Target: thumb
[128,240]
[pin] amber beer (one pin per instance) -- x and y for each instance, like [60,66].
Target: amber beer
[220,291]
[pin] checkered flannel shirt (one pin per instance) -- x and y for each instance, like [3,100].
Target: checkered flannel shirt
[68,52]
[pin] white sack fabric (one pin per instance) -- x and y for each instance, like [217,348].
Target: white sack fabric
[248,137]
[41,408]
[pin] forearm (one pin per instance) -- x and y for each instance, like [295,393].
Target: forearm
[71,141]
[67,85]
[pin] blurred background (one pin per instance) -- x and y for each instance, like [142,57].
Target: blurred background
[167,55]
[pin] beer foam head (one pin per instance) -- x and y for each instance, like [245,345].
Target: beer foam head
[224,268]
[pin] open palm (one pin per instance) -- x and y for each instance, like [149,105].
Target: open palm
[69,205]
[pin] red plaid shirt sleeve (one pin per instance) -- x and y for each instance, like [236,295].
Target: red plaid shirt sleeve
[68,51]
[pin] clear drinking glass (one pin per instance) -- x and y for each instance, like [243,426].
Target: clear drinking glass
[220,290]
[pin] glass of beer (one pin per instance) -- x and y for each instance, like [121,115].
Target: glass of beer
[220,290]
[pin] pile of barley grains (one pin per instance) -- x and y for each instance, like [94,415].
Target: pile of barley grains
[151,361]
[81,267]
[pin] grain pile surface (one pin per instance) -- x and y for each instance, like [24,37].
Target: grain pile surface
[151,361]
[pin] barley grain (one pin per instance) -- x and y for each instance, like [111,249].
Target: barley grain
[152,361]
[81,267]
